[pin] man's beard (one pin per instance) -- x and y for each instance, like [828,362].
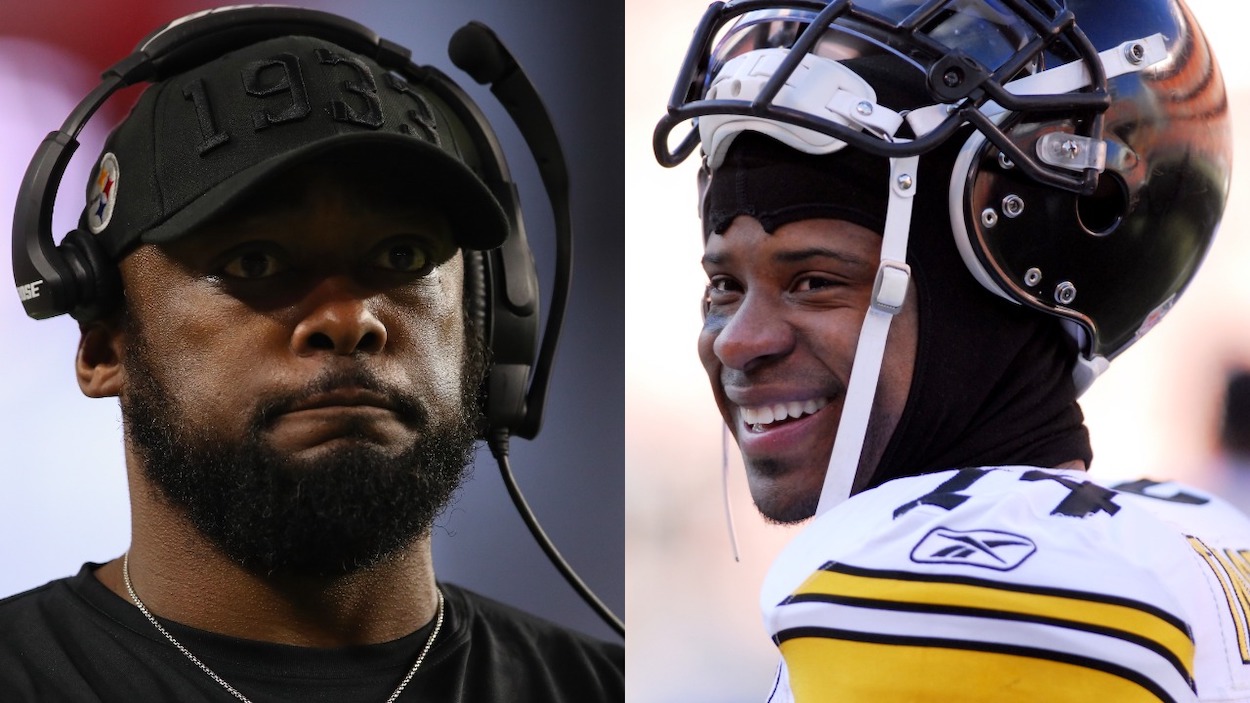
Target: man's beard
[346,510]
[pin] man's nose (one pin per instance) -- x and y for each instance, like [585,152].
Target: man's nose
[753,333]
[339,318]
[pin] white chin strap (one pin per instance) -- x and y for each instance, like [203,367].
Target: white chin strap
[724,485]
[888,296]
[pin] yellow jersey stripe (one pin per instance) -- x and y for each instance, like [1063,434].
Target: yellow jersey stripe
[826,669]
[1086,611]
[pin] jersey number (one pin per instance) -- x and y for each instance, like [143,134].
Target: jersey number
[1083,500]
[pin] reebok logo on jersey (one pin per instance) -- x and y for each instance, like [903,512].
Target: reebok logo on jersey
[991,549]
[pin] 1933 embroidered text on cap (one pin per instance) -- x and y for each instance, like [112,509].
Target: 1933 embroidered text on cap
[198,142]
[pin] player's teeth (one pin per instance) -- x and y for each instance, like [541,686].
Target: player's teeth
[765,415]
[757,416]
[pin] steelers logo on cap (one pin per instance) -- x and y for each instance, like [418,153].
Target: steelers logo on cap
[103,194]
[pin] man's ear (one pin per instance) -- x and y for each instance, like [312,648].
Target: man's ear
[99,360]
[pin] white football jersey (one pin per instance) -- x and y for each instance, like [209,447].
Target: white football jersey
[1015,584]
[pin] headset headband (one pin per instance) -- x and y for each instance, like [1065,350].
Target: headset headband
[54,280]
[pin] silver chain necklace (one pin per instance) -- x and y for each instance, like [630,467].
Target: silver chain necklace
[429,642]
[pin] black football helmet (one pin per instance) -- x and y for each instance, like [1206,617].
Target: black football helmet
[1096,140]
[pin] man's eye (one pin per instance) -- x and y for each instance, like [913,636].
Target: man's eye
[405,257]
[253,265]
[815,282]
[721,291]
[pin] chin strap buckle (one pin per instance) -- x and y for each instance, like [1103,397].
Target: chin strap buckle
[889,291]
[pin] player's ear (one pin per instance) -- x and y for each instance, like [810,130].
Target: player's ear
[98,363]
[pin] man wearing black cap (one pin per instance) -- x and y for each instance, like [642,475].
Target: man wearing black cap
[892,195]
[299,388]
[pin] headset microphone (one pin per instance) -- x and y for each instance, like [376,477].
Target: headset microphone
[476,50]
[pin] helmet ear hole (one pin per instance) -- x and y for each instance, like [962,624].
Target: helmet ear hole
[1102,212]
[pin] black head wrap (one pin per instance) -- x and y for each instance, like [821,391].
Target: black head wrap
[992,383]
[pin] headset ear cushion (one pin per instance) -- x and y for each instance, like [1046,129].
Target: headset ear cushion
[96,278]
[477,316]
[476,293]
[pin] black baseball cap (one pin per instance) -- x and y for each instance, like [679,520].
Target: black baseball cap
[198,142]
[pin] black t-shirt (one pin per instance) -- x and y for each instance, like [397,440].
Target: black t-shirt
[75,640]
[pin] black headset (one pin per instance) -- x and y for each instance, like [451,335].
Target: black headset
[501,285]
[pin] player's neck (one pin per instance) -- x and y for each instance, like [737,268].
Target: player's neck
[180,575]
